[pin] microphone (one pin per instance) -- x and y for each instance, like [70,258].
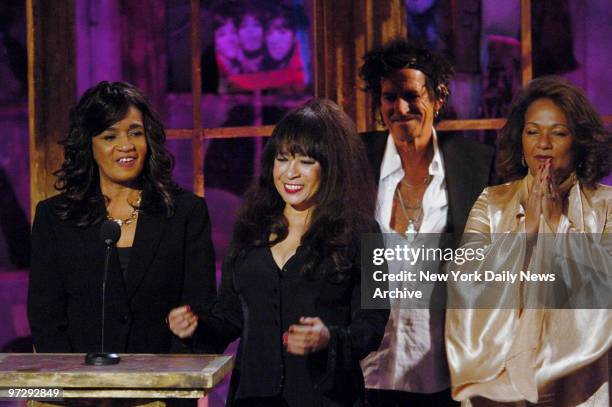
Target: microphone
[110,232]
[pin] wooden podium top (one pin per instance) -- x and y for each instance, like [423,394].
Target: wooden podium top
[137,375]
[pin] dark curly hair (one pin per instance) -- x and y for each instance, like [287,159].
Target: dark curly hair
[398,54]
[222,12]
[592,142]
[344,202]
[78,178]
[258,9]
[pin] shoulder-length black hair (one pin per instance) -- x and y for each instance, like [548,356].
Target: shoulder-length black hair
[592,142]
[100,107]
[344,203]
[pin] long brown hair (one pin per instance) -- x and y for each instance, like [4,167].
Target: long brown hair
[344,202]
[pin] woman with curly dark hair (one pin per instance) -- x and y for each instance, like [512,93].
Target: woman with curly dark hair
[291,284]
[116,167]
[553,148]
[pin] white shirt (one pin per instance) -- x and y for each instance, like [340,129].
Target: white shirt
[411,356]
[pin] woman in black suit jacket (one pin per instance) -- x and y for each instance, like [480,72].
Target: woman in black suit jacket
[291,287]
[116,167]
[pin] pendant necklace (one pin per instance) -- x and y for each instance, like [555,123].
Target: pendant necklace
[411,228]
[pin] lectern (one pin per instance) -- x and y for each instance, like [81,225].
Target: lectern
[139,380]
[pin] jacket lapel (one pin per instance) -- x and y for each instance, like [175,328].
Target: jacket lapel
[375,142]
[149,230]
[459,184]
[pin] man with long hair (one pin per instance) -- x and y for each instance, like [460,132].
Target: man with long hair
[427,183]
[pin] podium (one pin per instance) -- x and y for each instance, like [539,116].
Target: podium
[148,380]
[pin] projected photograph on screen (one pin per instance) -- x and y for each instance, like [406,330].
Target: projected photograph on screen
[246,46]
[256,45]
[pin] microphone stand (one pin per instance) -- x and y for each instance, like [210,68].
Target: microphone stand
[103,358]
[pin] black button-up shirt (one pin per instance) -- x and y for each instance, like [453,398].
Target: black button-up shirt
[259,301]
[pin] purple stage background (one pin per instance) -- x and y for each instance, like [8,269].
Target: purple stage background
[157,59]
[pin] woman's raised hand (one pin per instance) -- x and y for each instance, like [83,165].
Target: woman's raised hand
[311,335]
[182,321]
[552,202]
[544,198]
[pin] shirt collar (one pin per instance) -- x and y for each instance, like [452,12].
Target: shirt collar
[392,163]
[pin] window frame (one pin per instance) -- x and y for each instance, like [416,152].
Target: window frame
[198,135]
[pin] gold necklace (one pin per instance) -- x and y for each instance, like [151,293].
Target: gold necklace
[135,209]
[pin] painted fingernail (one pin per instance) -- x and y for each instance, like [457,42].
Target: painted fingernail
[187,308]
[285,338]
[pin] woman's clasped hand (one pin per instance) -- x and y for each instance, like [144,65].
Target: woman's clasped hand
[545,199]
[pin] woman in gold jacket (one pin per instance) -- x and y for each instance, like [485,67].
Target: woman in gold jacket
[554,149]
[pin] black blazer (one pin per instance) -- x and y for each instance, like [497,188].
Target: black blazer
[171,263]
[468,169]
[258,302]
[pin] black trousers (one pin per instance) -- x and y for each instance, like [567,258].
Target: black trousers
[394,398]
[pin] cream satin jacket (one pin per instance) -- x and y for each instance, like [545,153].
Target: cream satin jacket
[557,357]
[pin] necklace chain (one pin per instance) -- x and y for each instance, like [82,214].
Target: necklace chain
[413,223]
[405,211]
[135,210]
[426,180]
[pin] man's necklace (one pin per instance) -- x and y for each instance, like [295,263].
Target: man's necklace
[426,181]
[413,223]
[411,228]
